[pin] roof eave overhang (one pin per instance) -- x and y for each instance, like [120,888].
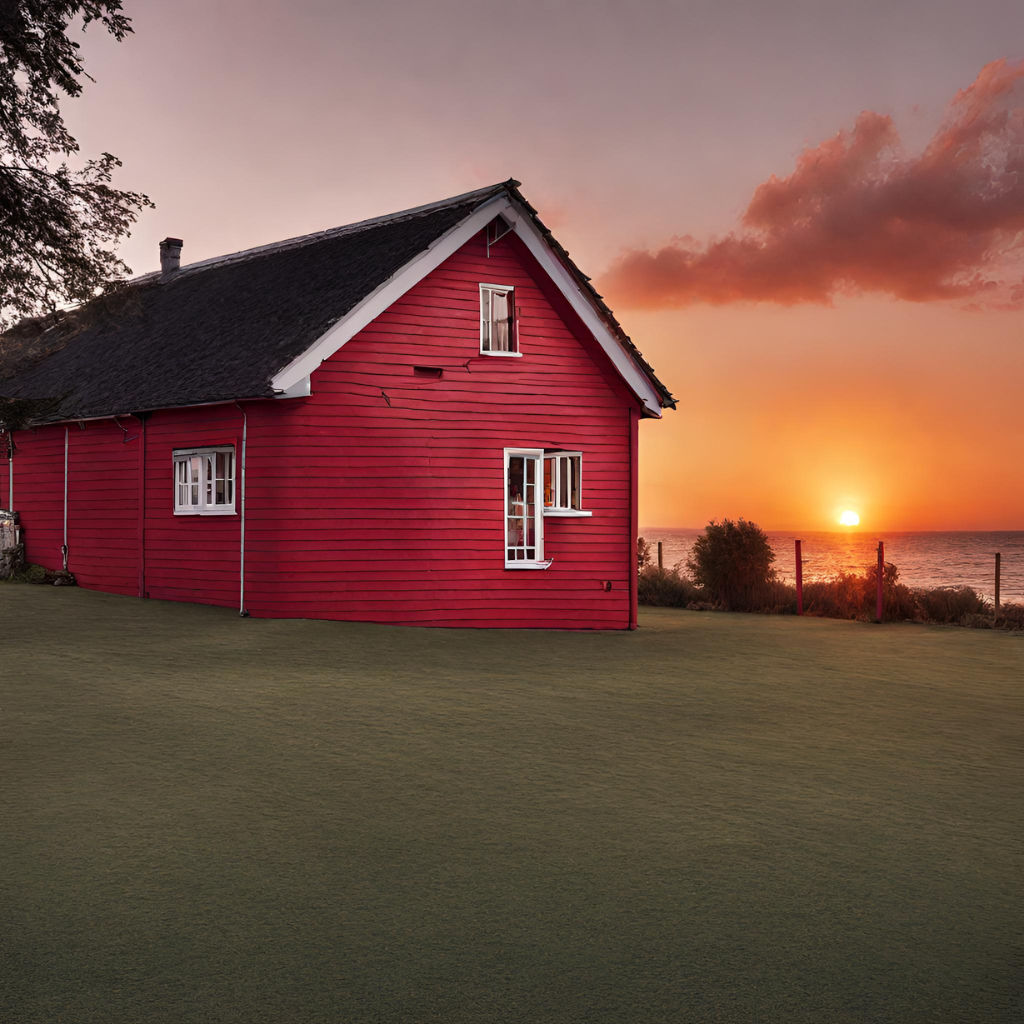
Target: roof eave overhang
[525,226]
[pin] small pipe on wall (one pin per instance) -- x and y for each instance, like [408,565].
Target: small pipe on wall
[141,417]
[64,546]
[241,508]
[10,470]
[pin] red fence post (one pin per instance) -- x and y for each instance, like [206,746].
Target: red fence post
[998,560]
[799,581]
[881,577]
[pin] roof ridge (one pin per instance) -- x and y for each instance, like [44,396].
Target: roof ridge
[335,232]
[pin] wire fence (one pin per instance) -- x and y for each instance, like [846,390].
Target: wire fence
[924,560]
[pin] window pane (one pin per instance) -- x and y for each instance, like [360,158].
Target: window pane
[499,321]
[549,497]
[514,522]
[574,468]
[220,495]
[485,320]
[564,489]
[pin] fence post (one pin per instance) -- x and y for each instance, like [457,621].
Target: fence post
[799,580]
[999,558]
[659,556]
[881,576]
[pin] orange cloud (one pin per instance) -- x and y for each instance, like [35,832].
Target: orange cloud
[857,215]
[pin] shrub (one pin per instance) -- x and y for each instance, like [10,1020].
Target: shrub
[732,562]
[667,588]
[777,598]
[849,596]
[841,597]
[976,621]
[33,573]
[29,574]
[949,604]
[643,553]
[1010,616]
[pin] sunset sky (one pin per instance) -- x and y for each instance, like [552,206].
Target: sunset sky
[804,213]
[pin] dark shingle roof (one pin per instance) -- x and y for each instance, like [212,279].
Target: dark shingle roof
[220,330]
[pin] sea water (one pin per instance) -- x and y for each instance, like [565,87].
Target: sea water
[923,559]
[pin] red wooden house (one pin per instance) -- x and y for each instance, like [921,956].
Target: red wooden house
[427,418]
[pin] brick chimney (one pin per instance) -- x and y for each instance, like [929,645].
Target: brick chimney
[170,255]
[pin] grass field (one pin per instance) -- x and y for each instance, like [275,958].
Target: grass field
[716,818]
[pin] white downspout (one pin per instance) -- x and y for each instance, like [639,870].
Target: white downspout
[241,503]
[64,547]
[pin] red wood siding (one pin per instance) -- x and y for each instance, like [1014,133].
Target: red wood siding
[103,505]
[39,492]
[380,497]
[394,491]
[189,558]
[197,558]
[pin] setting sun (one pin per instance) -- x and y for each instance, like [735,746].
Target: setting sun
[849,518]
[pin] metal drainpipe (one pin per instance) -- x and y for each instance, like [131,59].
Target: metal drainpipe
[10,470]
[64,546]
[141,417]
[241,495]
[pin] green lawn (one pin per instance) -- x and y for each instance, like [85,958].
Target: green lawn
[716,818]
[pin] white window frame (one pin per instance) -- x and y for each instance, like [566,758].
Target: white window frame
[558,508]
[487,290]
[182,457]
[539,562]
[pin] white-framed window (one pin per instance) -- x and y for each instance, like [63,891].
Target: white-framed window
[204,481]
[524,516]
[563,484]
[498,334]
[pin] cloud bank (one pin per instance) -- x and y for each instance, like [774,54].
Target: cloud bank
[859,216]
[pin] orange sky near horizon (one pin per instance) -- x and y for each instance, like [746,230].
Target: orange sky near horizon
[250,122]
[788,417]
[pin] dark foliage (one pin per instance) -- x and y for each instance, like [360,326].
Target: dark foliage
[643,554]
[950,604]
[58,226]
[667,588]
[1010,616]
[732,562]
[844,596]
[849,596]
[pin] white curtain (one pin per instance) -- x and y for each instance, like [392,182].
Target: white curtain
[499,322]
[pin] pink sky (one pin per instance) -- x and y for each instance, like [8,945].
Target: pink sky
[631,126]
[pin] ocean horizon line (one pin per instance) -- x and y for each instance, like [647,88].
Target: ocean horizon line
[844,532]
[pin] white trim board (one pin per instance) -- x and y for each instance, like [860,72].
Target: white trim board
[390,291]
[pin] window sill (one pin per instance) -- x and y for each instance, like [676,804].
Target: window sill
[528,565]
[568,513]
[503,355]
[204,512]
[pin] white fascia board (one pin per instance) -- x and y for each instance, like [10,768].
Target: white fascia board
[300,389]
[567,285]
[416,269]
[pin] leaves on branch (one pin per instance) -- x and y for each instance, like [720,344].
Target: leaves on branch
[58,225]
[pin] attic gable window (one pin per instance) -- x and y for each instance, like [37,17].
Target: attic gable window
[498,335]
[204,481]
